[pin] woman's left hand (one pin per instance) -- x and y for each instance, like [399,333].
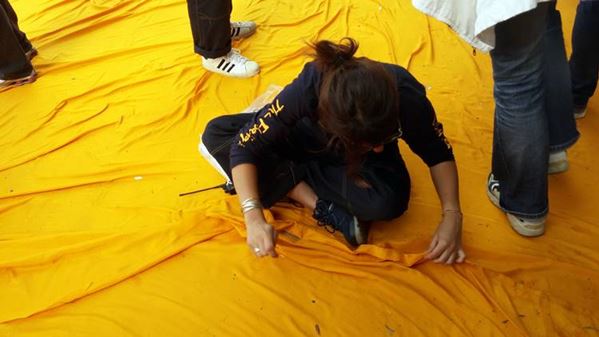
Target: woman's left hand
[446,246]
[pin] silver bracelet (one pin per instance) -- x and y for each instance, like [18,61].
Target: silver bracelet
[250,204]
[456,211]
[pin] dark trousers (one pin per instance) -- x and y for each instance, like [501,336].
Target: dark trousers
[211,26]
[303,158]
[13,45]
[584,61]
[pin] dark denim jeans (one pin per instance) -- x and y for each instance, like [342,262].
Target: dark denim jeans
[584,61]
[533,107]
[210,26]
[13,45]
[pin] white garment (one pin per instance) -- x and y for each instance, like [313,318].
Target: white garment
[475,20]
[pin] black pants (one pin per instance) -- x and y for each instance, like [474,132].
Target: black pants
[13,45]
[210,26]
[303,158]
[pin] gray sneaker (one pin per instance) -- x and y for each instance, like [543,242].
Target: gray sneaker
[558,162]
[242,29]
[523,226]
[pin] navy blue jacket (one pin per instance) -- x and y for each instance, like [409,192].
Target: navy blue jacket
[271,125]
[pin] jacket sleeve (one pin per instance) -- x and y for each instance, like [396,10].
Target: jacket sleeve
[421,130]
[270,126]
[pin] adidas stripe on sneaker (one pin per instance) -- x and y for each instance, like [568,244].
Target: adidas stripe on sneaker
[233,64]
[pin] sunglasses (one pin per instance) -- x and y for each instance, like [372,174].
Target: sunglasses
[395,136]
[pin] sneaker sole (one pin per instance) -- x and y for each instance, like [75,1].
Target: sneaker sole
[515,223]
[359,232]
[580,114]
[558,167]
[525,230]
[212,161]
[17,83]
[233,75]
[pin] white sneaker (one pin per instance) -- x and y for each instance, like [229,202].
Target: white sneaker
[233,64]
[527,227]
[242,29]
[558,162]
[212,161]
[524,227]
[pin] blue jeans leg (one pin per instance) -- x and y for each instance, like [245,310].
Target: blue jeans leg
[584,61]
[521,134]
[558,92]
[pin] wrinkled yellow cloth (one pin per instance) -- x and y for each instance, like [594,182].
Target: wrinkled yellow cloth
[96,241]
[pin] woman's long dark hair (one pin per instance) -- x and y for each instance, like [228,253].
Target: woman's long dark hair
[358,103]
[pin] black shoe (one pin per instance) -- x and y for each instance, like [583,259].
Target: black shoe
[333,217]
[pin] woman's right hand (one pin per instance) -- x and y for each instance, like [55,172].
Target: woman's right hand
[261,236]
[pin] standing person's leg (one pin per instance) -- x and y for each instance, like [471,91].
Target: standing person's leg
[210,26]
[558,93]
[14,20]
[521,135]
[584,61]
[15,68]
[212,32]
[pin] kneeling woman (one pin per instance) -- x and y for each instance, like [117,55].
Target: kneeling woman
[329,141]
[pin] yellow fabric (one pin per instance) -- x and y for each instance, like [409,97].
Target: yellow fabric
[95,240]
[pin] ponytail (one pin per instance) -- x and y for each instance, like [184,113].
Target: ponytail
[332,55]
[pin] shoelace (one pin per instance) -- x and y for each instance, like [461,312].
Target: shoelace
[326,221]
[235,57]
